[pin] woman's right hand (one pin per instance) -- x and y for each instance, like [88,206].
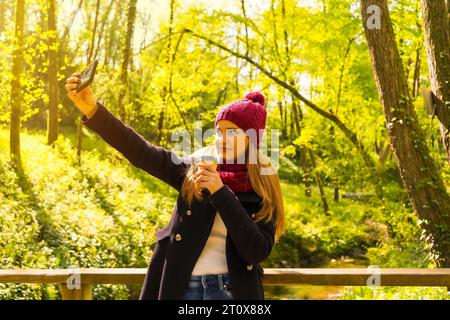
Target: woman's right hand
[85,99]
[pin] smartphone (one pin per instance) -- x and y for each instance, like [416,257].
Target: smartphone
[87,76]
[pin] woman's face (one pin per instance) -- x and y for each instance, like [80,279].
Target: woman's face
[231,142]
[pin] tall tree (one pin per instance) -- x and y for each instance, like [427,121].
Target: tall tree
[448,11]
[16,86]
[416,76]
[88,60]
[164,90]
[126,59]
[437,43]
[419,174]
[105,19]
[2,15]
[319,182]
[111,39]
[53,117]
[94,32]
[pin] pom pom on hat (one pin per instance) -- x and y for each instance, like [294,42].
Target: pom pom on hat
[256,97]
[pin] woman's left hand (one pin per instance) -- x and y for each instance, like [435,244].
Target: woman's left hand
[207,177]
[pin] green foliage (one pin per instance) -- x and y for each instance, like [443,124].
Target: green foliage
[395,293]
[100,214]
[314,238]
[104,212]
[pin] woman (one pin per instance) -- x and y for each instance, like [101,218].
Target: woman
[226,218]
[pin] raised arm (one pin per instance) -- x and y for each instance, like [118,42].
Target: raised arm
[157,161]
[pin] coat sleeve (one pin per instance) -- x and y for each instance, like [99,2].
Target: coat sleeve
[157,161]
[253,240]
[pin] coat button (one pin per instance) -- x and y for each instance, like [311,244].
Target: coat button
[253,215]
[249,267]
[178,237]
[189,212]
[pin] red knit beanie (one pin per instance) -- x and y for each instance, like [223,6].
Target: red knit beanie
[246,113]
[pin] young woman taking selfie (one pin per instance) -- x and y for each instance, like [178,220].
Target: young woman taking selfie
[227,217]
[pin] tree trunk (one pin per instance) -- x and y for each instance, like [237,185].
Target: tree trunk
[94,32]
[341,74]
[448,13]
[2,15]
[160,127]
[52,124]
[247,44]
[165,89]
[105,20]
[291,127]
[419,174]
[72,18]
[285,34]
[319,183]
[437,43]
[306,172]
[127,52]
[283,120]
[275,34]
[108,42]
[416,80]
[336,194]
[109,52]
[236,77]
[384,153]
[16,86]
[88,60]
[303,159]
[244,14]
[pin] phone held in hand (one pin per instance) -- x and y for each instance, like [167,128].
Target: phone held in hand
[87,76]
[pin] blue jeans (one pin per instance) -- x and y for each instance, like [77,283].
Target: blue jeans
[209,287]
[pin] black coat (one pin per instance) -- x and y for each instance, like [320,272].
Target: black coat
[180,243]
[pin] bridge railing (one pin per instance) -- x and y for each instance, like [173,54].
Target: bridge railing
[77,284]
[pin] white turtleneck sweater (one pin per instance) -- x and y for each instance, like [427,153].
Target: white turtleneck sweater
[213,259]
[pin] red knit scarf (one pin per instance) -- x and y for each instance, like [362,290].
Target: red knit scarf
[235,176]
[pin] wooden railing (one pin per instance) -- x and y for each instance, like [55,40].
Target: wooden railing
[76,284]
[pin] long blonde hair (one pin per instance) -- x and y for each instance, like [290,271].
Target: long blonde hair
[267,186]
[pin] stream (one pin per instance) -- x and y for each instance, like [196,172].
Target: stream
[311,292]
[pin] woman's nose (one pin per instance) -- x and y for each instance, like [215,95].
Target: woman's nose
[229,140]
[220,144]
